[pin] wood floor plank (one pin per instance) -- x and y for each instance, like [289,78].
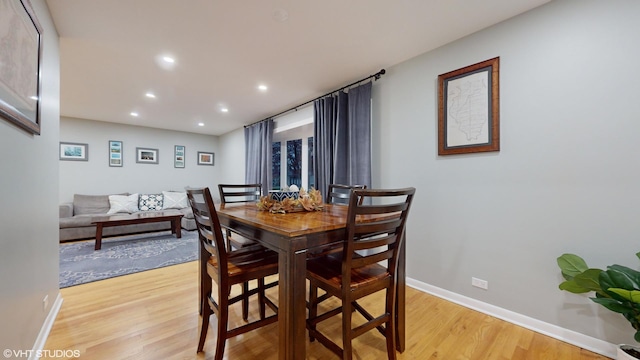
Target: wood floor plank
[154,315]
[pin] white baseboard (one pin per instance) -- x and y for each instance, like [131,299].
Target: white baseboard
[38,346]
[569,336]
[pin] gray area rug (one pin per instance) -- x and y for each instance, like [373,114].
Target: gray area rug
[80,263]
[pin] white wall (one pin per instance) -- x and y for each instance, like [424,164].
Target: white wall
[566,178]
[29,220]
[95,176]
[232,158]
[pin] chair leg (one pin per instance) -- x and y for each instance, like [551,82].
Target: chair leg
[245,301]
[390,326]
[347,313]
[223,319]
[313,309]
[390,334]
[261,298]
[206,314]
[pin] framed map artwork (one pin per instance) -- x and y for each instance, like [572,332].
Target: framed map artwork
[20,56]
[469,109]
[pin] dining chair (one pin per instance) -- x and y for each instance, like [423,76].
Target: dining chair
[227,268]
[339,194]
[367,264]
[239,193]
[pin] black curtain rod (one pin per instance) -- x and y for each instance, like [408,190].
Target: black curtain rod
[376,76]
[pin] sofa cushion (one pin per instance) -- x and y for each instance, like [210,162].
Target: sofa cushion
[90,204]
[147,202]
[123,204]
[76,221]
[187,213]
[175,200]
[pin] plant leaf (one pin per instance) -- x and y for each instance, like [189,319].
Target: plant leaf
[626,277]
[629,295]
[571,265]
[619,277]
[613,305]
[572,287]
[589,279]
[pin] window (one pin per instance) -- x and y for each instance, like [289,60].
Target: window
[292,159]
[294,162]
[275,170]
[312,178]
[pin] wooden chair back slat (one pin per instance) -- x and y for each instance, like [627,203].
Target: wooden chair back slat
[339,194]
[237,193]
[206,218]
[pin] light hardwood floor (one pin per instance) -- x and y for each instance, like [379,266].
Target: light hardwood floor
[154,315]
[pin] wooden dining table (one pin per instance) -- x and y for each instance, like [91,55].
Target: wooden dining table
[293,235]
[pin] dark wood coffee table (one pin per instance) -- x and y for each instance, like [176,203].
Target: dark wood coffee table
[137,218]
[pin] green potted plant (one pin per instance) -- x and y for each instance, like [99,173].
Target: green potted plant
[617,289]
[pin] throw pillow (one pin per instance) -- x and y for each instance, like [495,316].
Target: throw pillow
[123,204]
[150,202]
[175,200]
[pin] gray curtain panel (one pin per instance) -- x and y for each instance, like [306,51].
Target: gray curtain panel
[342,133]
[258,140]
[325,112]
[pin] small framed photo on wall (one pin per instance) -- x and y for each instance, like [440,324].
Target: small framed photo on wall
[205,158]
[74,151]
[178,161]
[115,153]
[146,155]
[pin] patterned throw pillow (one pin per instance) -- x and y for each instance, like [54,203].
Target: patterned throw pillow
[149,202]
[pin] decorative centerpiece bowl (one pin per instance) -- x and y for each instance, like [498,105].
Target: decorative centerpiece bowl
[291,201]
[279,195]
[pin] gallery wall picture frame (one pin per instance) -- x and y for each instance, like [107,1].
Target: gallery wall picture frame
[469,109]
[74,151]
[115,153]
[147,155]
[179,154]
[20,95]
[205,158]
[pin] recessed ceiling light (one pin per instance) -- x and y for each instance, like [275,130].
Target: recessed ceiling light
[200,124]
[133,113]
[262,87]
[150,95]
[224,109]
[165,61]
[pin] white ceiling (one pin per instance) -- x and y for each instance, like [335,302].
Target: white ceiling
[300,49]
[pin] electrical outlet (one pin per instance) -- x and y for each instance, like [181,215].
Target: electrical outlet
[482,284]
[45,303]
